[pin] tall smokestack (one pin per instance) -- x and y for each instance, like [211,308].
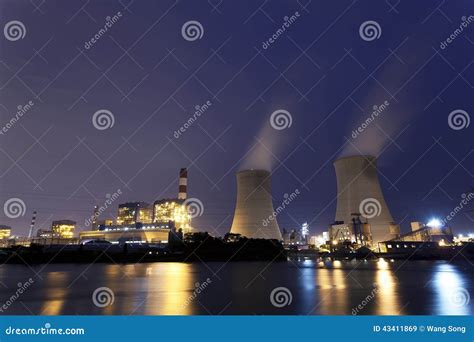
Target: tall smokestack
[32,226]
[254,216]
[94,217]
[183,184]
[358,191]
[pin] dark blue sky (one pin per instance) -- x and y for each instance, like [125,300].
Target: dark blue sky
[150,78]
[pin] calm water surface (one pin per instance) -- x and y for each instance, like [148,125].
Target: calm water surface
[317,288]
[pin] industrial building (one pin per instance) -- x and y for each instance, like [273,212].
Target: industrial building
[358,189]
[134,233]
[5,232]
[254,216]
[141,222]
[432,233]
[61,229]
[131,212]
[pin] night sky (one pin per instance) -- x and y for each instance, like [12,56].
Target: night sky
[150,78]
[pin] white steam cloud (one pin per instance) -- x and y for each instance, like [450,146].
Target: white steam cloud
[266,147]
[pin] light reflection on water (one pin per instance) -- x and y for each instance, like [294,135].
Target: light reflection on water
[318,287]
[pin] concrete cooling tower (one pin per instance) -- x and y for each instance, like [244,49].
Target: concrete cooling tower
[358,191]
[254,206]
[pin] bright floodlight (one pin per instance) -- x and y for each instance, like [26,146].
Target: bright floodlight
[434,223]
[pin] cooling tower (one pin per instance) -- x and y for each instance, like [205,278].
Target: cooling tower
[254,217]
[358,191]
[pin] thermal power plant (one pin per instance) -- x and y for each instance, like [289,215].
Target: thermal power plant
[254,216]
[359,193]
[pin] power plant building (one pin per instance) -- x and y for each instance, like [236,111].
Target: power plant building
[145,223]
[254,216]
[5,232]
[359,194]
[63,229]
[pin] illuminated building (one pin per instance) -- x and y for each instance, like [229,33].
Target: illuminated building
[133,233]
[172,210]
[63,228]
[145,214]
[128,212]
[105,222]
[46,234]
[5,232]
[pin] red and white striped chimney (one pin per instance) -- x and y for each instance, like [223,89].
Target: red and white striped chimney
[183,184]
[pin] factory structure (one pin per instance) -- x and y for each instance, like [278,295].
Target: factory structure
[141,222]
[254,215]
[362,216]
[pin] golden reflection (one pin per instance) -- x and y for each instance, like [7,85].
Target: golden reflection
[56,287]
[387,295]
[332,286]
[170,288]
